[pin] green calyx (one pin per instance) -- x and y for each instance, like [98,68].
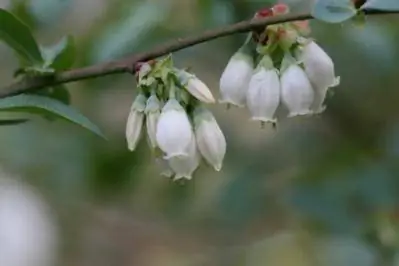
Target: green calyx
[139,103]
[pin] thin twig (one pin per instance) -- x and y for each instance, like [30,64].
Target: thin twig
[126,65]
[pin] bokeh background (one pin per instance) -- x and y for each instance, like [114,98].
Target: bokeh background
[316,191]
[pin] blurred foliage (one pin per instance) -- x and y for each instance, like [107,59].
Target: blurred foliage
[318,191]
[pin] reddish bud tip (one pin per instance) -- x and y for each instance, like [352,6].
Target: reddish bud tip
[280,9]
[264,12]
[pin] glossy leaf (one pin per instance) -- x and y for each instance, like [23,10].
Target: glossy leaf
[61,55]
[386,5]
[19,37]
[334,11]
[47,106]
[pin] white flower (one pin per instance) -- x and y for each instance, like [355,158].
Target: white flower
[28,234]
[210,139]
[196,87]
[235,78]
[153,112]
[174,131]
[185,166]
[135,122]
[319,68]
[296,91]
[263,96]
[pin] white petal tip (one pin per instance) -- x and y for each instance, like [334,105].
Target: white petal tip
[166,173]
[301,113]
[217,168]
[182,177]
[264,119]
[172,155]
[336,82]
[231,103]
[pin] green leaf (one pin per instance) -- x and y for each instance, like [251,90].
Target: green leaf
[385,5]
[60,93]
[19,37]
[47,106]
[61,55]
[334,11]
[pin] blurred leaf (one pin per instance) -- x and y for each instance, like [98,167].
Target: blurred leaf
[61,55]
[11,122]
[47,106]
[388,5]
[333,11]
[19,37]
[131,29]
[60,93]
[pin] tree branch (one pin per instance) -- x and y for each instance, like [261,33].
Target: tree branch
[126,65]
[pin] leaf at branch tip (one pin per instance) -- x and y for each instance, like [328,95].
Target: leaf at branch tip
[334,11]
[46,106]
[60,56]
[384,5]
[19,37]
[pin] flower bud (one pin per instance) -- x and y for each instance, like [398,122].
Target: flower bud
[174,131]
[296,91]
[153,111]
[210,139]
[263,96]
[196,87]
[185,166]
[235,78]
[319,67]
[135,122]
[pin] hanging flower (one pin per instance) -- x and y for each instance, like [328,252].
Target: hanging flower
[296,91]
[185,166]
[263,96]
[319,67]
[210,139]
[235,78]
[135,122]
[174,132]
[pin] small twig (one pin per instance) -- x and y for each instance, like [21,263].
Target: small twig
[126,65]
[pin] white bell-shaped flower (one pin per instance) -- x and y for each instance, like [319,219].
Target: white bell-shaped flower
[210,139]
[28,233]
[296,91]
[185,166]
[263,96]
[153,111]
[174,131]
[319,68]
[235,78]
[135,121]
[196,87]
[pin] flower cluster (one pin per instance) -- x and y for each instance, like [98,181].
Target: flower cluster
[278,65]
[180,130]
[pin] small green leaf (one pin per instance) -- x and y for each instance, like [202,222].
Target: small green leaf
[47,106]
[12,122]
[385,5]
[334,11]
[61,55]
[19,37]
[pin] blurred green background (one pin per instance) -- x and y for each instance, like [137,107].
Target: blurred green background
[318,191]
